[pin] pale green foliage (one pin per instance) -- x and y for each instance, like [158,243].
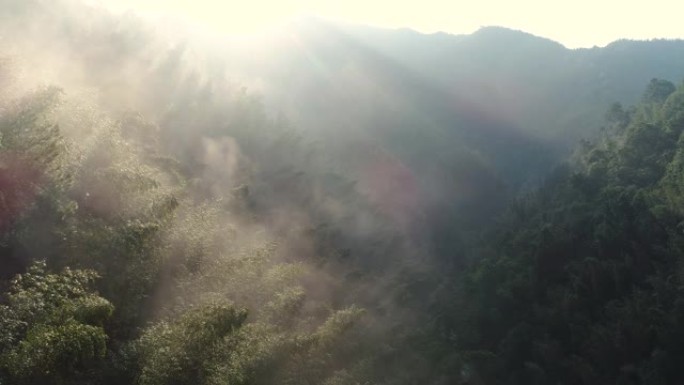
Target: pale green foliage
[337,324]
[32,157]
[176,241]
[27,126]
[285,306]
[198,232]
[185,351]
[123,204]
[115,182]
[272,354]
[250,274]
[51,324]
[292,337]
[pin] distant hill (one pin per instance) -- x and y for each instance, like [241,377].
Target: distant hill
[473,119]
[534,85]
[510,102]
[335,204]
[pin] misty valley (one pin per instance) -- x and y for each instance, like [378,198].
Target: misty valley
[335,204]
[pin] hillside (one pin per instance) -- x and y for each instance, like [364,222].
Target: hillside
[334,204]
[580,282]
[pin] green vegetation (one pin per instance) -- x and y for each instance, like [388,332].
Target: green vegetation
[52,326]
[582,282]
[197,292]
[159,224]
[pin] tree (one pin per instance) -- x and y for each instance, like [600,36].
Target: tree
[658,90]
[51,327]
[186,351]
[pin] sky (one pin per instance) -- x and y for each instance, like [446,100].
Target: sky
[578,23]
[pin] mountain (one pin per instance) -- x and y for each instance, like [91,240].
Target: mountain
[494,76]
[505,103]
[471,119]
[334,204]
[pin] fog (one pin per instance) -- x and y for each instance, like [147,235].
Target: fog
[328,203]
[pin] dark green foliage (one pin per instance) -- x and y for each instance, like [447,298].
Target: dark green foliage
[582,283]
[657,91]
[365,246]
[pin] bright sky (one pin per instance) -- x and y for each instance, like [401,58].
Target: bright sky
[578,23]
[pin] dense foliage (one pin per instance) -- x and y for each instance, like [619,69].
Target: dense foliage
[581,283]
[160,224]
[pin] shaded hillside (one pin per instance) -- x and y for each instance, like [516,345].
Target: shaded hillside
[334,205]
[485,90]
[438,104]
[581,281]
[505,103]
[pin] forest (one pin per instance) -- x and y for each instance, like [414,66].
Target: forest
[345,206]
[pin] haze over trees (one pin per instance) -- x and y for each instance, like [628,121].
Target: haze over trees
[335,205]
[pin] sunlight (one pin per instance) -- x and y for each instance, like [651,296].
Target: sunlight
[244,19]
[216,192]
[558,20]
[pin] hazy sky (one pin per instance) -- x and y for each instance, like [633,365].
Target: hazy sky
[579,23]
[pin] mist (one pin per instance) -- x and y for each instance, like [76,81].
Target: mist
[332,203]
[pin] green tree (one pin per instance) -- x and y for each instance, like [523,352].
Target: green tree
[658,90]
[188,350]
[51,327]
